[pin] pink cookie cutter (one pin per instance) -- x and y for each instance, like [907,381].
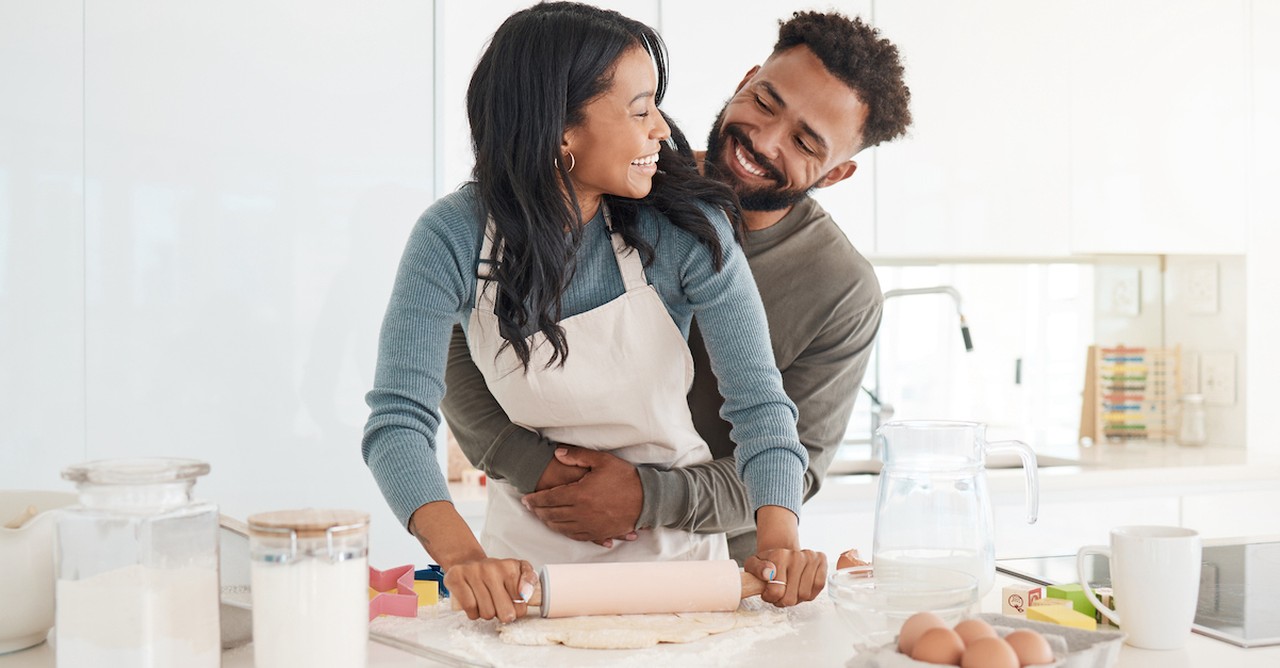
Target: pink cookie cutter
[395,592]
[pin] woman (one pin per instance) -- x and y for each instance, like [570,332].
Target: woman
[575,266]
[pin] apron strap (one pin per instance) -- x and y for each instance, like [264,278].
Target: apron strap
[628,259]
[629,264]
[486,289]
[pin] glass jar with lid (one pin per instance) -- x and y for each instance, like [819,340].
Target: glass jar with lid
[1192,430]
[137,564]
[310,580]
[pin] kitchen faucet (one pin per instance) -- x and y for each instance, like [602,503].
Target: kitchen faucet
[882,411]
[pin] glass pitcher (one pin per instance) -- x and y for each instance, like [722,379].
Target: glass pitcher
[933,507]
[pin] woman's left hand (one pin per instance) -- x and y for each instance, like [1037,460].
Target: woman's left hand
[791,576]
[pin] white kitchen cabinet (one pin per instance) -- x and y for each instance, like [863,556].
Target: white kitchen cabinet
[984,170]
[1159,121]
[42,399]
[252,173]
[1233,514]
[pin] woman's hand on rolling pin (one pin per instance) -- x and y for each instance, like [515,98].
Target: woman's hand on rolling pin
[791,576]
[492,588]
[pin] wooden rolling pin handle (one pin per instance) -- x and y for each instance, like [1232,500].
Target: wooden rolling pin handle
[751,585]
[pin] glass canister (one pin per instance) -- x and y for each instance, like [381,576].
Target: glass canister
[310,581]
[1192,430]
[137,564]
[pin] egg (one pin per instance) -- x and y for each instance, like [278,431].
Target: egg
[1031,647]
[972,629]
[989,653]
[849,559]
[914,627]
[941,645]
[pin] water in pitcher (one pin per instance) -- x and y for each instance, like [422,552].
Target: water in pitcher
[973,562]
[933,508]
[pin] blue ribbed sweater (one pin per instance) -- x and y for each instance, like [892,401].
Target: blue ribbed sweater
[436,286]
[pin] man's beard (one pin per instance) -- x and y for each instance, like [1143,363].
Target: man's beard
[752,198]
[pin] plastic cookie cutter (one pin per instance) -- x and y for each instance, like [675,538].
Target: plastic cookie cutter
[426,576]
[391,592]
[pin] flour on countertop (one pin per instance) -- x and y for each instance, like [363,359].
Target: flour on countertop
[442,628]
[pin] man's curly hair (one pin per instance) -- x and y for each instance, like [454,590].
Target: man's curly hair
[855,53]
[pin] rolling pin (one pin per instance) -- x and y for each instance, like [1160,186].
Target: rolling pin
[634,588]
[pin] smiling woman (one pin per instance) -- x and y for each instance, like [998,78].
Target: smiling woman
[624,122]
[577,259]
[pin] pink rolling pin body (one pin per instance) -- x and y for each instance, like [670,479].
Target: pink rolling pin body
[570,590]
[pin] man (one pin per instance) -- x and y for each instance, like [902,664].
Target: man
[831,87]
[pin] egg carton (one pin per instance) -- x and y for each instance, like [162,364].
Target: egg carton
[1072,648]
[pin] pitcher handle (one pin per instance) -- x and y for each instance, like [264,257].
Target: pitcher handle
[1029,466]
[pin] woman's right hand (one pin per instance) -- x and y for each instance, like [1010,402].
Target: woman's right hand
[484,588]
[490,588]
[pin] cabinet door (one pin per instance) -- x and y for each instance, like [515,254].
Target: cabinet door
[983,172]
[1159,126]
[252,173]
[41,242]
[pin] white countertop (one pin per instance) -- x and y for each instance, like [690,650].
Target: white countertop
[818,640]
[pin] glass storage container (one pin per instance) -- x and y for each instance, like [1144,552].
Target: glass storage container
[310,580]
[1192,430]
[137,565]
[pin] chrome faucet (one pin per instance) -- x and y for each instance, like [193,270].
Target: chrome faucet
[882,411]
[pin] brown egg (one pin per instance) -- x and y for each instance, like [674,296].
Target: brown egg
[941,645]
[1031,647]
[989,653]
[914,627]
[849,559]
[972,629]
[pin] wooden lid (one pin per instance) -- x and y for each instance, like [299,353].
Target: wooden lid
[307,521]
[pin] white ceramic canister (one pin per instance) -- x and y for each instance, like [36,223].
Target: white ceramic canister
[310,581]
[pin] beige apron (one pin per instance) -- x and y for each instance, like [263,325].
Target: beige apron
[622,390]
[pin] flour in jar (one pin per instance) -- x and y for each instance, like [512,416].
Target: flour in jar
[310,612]
[139,617]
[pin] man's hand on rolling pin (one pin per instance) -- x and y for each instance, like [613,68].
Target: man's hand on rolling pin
[492,588]
[601,507]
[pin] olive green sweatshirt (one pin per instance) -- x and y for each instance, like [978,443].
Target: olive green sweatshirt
[823,304]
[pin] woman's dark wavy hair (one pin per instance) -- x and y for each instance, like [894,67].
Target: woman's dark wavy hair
[542,67]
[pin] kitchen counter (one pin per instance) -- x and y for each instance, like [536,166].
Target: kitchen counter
[818,639]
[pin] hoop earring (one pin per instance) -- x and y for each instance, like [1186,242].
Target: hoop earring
[573,162]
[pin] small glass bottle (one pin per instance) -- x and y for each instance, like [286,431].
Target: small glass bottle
[137,565]
[1192,430]
[310,581]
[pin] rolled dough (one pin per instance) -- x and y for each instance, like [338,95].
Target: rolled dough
[630,631]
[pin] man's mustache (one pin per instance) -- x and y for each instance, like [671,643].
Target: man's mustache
[745,141]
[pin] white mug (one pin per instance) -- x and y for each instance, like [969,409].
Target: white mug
[1155,580]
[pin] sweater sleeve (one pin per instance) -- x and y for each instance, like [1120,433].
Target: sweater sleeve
[485,434]
[770,458]
[823,382]
[433,289]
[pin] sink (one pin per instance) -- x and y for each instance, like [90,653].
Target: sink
[855,458]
